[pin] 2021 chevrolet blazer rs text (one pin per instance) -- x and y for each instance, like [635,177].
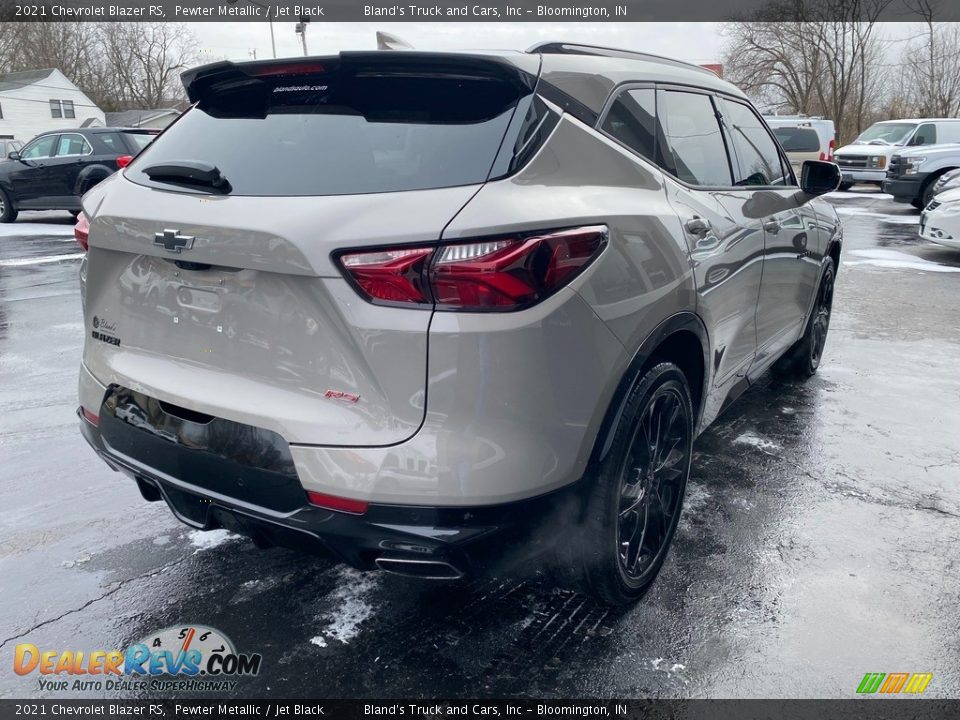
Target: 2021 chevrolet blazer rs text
[423,311]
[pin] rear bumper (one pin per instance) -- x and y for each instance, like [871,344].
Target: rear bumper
[421,541]
[904,189]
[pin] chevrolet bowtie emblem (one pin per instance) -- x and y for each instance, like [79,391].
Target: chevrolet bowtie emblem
[173,241]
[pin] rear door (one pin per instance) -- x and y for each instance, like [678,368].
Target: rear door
[232,303]
[72,154]
[726,248]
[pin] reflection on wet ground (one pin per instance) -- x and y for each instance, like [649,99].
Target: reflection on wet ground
[818,541]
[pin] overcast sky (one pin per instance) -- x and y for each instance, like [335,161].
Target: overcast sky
[698,42]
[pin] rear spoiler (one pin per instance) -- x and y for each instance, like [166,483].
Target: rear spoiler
[520,70]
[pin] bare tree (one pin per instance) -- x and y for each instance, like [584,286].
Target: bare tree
[146,60]
[931,65]
[816,57]
[119,65]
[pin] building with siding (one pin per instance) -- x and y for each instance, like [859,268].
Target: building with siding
[33,101]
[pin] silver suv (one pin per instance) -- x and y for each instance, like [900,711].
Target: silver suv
[431,312]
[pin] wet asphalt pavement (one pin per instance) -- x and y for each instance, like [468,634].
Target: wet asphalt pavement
[819,540]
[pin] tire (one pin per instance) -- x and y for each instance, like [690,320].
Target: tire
[917,203]
[635,496]
[803,358]
[843,187]
[8,213]
[75,213]
[926,195]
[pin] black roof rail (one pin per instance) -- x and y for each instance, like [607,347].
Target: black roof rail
[567,48]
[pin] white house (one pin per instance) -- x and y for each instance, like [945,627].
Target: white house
[33,101]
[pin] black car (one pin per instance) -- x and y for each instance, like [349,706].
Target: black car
[56,168]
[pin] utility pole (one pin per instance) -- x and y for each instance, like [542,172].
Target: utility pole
[301,30]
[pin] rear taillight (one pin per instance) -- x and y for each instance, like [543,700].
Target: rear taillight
[81,231]
[823,155]
[833,145]
[124,160]
[501,273]
[90,417]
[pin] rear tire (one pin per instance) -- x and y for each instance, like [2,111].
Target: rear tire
[843,187]
[636,494]
[8,213]
[803,358]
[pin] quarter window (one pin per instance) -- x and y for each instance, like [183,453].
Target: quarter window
[632,120]
[695,152]
[758,158]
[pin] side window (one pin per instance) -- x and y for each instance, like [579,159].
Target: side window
[926,135]
[72,145]
[695,152]
[42,148]
[949,132]
[758,157]
[632,120]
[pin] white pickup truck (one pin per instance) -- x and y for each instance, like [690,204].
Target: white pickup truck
[912,174]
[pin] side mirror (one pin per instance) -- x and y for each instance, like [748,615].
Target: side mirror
[13,155]
[819,177]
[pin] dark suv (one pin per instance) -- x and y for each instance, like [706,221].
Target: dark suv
[55,168]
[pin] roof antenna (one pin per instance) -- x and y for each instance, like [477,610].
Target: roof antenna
[388,41]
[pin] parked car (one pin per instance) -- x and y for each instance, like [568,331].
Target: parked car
[55,168]
[8,146]
[826,131]
[950,180]
[866,159]
[595,279]
[801,143]
[912,174]
[940,220]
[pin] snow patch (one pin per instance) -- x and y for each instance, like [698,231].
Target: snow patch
[351,609]
[209,539]
[35,229]
[760,443]
[883,217]
[42,260]
[896,260]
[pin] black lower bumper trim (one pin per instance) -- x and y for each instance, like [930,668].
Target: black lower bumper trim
[466,540]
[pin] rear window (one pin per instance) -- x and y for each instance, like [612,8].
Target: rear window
[140,140]
[343,133]
[796,139]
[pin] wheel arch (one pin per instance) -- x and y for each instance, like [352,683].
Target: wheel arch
[682,339]
[90,176]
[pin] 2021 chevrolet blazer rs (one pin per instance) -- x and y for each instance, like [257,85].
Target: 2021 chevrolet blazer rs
[426,311]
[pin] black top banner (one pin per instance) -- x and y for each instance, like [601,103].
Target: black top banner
[477,10]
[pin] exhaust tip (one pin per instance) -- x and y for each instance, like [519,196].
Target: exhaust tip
[423,569]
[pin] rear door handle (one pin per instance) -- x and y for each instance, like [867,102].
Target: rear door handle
[698,227]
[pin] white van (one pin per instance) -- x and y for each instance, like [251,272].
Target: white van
[825,130]
[865,160]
